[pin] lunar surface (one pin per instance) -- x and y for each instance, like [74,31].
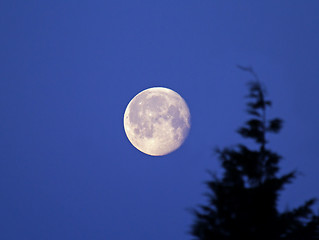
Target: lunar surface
[157,121]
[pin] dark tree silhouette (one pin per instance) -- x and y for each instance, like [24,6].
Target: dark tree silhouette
[243,202]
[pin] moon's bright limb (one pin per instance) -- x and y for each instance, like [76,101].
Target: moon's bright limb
[157,121]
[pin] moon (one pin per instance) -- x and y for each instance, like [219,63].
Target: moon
[157,121]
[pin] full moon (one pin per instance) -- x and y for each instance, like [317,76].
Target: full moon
[157,121]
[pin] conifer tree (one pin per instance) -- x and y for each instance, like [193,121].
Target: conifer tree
[243,201]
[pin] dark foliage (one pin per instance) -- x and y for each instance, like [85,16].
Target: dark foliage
[243,202]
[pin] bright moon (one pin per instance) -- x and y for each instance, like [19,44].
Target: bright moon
[157,121]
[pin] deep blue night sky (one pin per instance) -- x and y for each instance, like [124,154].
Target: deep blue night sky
[68,69]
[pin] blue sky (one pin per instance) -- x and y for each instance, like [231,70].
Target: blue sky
[68,71]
